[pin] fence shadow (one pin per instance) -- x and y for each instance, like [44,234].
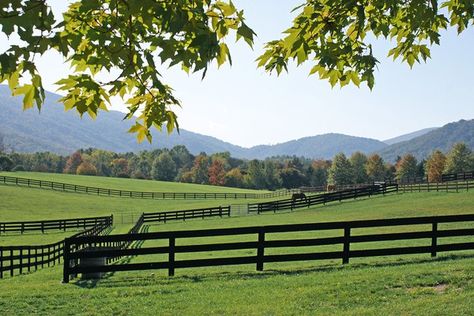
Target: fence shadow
[150,279]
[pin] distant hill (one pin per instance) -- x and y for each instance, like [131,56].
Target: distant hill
[409,136]
[321,146]
[441,138]
[63,132]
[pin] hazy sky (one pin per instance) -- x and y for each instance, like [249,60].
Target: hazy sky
[246,106]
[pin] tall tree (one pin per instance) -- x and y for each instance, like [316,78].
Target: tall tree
[341,171]
[199,169]
[119,168]
[375,168]
[164,167]
[319,173]
[459,159]
[73,162]
[407,168]
[435,166]
[217,172]
[358,161]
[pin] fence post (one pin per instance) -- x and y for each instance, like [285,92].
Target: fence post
[11,262]
[66,261]
[434,241]
[1,262]
[347,243]
[171,256]
[260,249]
[21,260]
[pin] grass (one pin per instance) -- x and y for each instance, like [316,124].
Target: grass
[407,285]
[128,184]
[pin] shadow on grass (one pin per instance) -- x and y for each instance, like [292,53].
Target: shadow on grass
[150,279]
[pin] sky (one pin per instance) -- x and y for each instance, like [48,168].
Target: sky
[246,106]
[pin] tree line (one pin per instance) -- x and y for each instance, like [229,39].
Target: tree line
[178,164]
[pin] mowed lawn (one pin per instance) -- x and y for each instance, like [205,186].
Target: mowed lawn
[128,184]
[407,285]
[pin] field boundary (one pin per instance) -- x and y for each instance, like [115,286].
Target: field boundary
[67,187]
[290,204]
[73,258]
[22,259]
[54,224]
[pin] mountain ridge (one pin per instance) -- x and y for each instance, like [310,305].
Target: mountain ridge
[63,132]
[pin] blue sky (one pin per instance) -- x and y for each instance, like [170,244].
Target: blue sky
[246,106]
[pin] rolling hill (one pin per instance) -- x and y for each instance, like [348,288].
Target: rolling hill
[409,136]
[441,138]
[63,132]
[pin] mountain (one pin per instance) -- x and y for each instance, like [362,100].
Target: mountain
[409,136]
[441,138]
[63,132]
[321,146]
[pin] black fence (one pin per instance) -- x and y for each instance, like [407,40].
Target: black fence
[55,224]
[461,176]
[21,259]
[290,204]
[260,245]
[437,187]
[66,187]
[164,217]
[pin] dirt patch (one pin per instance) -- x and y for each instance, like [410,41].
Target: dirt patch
[440,288]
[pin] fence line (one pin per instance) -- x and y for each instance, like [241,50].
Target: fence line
[22,259]
[261,244]
[55,224]
[65,187]
[290,204]
[437,187]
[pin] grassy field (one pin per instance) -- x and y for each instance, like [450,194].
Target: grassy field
[407,285]
[128,184]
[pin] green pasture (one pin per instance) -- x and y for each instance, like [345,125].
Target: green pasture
[128,184]
[407,285]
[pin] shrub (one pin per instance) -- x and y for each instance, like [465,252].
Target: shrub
[86,169]
[18,168]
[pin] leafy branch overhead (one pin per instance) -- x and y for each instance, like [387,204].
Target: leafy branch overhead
[131,40]
[336,35]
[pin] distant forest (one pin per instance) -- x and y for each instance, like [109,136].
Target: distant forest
[179,165]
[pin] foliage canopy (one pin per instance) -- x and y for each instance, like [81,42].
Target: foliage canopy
[132,39]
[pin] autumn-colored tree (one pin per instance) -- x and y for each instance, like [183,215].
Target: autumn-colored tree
[375,168]
[407,168]
[234,178]
[435,166]
[119,168]
[318,173]
[199,169]
[216,172]
[73,162]
[341,171]
[459,159]
[86,169]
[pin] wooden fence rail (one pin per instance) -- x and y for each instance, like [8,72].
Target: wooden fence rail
[164,217]
[196,244]
[20,259]
[290,204]
[55,224]
[66,187]
[437,187]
